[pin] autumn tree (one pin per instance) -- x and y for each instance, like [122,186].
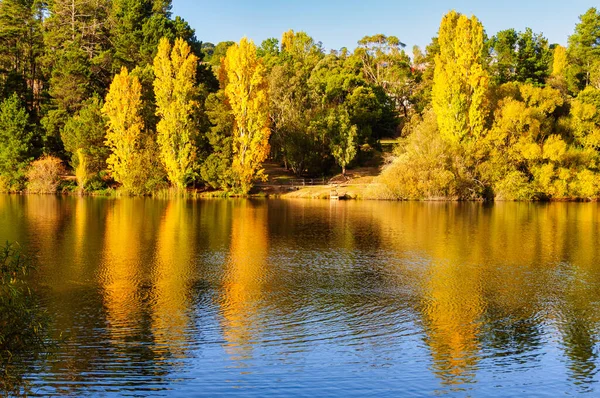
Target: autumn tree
[124,127]
[175,91]
[559,60]
[247,94]
[460,80]
[557,78]
[518,139]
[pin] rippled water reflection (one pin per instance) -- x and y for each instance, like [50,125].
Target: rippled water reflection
[314,298]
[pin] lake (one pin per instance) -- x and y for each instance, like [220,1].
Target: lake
[313,298]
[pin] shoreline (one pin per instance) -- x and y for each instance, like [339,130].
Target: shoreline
[355,192]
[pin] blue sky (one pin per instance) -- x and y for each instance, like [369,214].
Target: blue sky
[341,23]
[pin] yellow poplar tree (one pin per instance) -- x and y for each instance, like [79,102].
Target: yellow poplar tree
[125,125]
[246,91]
[460,82]
[559,63]
[175,91]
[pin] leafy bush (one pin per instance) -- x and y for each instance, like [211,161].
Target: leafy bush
[96,183]
[44,175]
[23,325]
[425,167]
[146,172]
[514,186]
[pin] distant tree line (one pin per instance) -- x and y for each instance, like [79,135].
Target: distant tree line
[125,94]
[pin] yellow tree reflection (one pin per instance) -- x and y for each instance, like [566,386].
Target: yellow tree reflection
[452,322]
[244,279]
[451,289]
[171,277]
[120,270]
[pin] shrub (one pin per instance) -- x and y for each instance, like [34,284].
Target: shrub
[514,186]
[44,175]
[146,173]
[23,325]
[425,167]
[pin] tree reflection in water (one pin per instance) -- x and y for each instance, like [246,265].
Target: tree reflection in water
[155,294]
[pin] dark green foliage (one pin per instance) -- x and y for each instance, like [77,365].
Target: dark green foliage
[504,56]
[584,50]
[533,58]
[214,54]
[524,57]
[83,137]
[24,326]
[216,169]
[70,83]
[15,140]
[21,46]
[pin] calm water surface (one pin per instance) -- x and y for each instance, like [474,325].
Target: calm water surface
[314,298]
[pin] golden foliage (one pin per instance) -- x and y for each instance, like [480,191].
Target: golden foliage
[559,63]
[44,175]
[175,91]
[81,171]
[426,166]
[460,86]
[246,90]
[125,125]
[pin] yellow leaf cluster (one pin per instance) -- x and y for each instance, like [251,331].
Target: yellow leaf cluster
[559,63]
[124,125]
[175,92]
[460,89]
[246,91]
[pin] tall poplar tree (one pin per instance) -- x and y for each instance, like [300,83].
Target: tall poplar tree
[246,91]
[125,125]
[175,91]
[460,79]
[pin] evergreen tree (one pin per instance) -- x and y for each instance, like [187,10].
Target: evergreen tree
[21,47]
[343,133]
[15,143]
[584,50]
[83,137]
